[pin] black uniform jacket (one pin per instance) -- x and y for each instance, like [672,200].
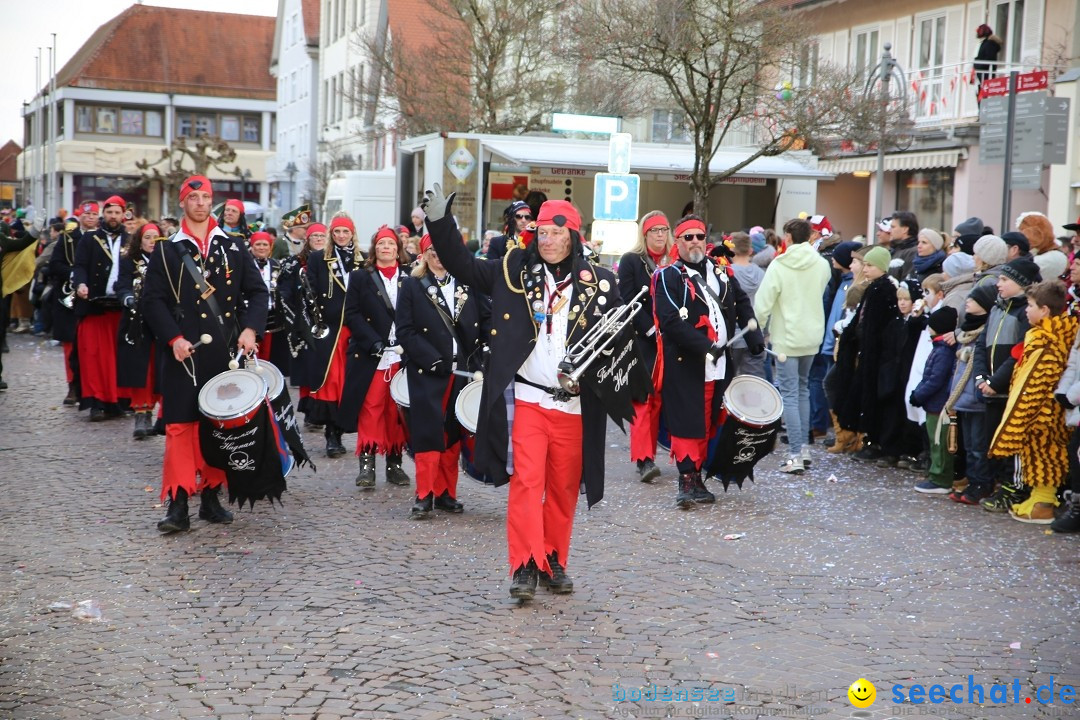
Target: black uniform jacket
[61,263]
[173,306]
[685,343]
[329,288]
[635,272]
[511,340]
[368,316]
[132,359]
[429,355]
[93,263]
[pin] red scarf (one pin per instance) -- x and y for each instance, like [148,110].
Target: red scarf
[202,243]
[388,272]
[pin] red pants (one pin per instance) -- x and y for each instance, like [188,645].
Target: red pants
[545,485]
[143,398]
[645,428]
[68,348]
[437,472]
[184,465]
[264,347]
[379,428]
[334,382]
[97,356]
[696,449]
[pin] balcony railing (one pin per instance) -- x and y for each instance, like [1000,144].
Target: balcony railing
[947,94]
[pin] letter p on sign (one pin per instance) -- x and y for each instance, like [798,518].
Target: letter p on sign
[615,197]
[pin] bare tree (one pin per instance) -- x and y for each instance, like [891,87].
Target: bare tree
[182,160]
[321,172]
[730,66]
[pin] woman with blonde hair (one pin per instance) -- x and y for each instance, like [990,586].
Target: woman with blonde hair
[636,268]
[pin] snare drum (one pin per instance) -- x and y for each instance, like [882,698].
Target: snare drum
[277,394]
[753,408]
[753,401]
[399,389]
[233,398]
[467,407]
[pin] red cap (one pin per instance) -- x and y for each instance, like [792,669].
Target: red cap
[560,213]
[195,182]
[691,224]
[425,243]
[314,228]
[654,221]
[114,200]
[260,237]
[342,221]
[233,202]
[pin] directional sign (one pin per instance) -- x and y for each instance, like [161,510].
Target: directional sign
[615,196]
[1026,176]
[1040,129]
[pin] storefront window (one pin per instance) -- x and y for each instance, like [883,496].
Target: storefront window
[928,194]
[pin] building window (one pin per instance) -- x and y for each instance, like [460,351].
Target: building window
[928,194]
[808,64]
[206,125]
[153,123]
[105,121]
[84,119]
[251,129]
[131,122]
[1009,26]
[866,53]
[670,126]
[117,121]
[232,127]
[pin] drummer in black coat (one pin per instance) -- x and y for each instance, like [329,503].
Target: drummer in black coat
[636,269]
[180,309]
[441,323]
[97,258]
[65,324]
[329,276]
[694,365]
[544,298]
[370,314]
[291,287]
[134,343]
[274,347]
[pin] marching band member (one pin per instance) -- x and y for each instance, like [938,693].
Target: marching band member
[97,266]
[636,268]
[370,314]
[134,344]
[441,324]
[544,298]
[698,303]
[232,219]
[276,352]
[211,279]
[328,275]
[65,324]
[293,284]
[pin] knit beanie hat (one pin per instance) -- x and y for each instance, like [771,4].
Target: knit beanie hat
[757,242]
[992,250]
[943,320]
[1022,271]
[984,295]
[878,257]
[971,226]
[842,253]
[1052,264]
[934,237]
[958,264]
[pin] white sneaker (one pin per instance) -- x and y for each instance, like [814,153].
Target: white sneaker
[793,466]
[805,455]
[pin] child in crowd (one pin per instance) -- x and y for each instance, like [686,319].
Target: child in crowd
[920,346]
[841,383]
[1033,427]
[994,364]
[964,398]
[931,394]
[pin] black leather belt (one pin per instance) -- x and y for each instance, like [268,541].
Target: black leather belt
[560,394]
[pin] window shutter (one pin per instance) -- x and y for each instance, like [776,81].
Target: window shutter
[902,43]
[839,56]
[1031,48]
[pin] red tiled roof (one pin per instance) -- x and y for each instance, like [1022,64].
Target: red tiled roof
[310,10]
[412,20]
[156,49]
[9,159]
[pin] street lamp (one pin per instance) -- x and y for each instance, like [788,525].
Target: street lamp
[885,72]
[244,177]
[291,169]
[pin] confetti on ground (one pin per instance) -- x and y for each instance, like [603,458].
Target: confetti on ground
[833,478]
[1014,646]
[711,655]
[735,536]
[809,493]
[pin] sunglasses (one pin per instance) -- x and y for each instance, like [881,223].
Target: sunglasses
[523,217]
[693,236]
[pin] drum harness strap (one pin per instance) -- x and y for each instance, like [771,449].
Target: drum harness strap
[560,394]
[211,301]
[429,286]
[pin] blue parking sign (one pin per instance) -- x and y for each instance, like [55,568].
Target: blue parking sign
[615,197]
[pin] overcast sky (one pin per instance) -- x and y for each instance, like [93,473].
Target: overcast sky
[31,23]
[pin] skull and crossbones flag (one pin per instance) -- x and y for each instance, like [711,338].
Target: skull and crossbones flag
[254,456]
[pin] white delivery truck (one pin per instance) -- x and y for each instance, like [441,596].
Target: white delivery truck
[367,196]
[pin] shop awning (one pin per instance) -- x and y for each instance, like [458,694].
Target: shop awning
[927,160]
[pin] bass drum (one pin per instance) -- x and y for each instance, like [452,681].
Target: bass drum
[233,398]
[467,407]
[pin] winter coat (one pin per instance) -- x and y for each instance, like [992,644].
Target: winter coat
[1069,386]
[956,291]
[876,376]
[904,251]
[1005,328]
[969,399]
[933,390]
[789,300]
[749,277]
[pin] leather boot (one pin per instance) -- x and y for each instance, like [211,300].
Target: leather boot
[366,478]
[159,427]
[685,498]
[334,448]
[176,517]
[210,508]
[142,426]
[524,585]
[422,507]
[72,397]
[700,492]
[448,504]
[394,474]
[558,581]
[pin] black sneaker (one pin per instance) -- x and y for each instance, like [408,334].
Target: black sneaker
[558,581]
[422,507]
[869,453]
[905,462]
[647,471]
[921,464]
[1005,497]
[887,461]
[524,585]
[1069,520]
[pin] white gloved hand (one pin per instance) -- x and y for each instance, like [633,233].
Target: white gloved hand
[436,205]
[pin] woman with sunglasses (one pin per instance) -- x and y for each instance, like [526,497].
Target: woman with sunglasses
[517,218]
[636,268]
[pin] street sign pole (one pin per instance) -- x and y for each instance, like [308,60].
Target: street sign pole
[1010,120]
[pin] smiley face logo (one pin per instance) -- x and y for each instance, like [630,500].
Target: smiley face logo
[862,693]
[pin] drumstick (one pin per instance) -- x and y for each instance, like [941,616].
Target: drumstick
[471,375]
[235,362]
[204,339]
[779,356]
[751,325]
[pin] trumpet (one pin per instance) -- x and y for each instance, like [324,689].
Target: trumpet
[67,293]
[596,341]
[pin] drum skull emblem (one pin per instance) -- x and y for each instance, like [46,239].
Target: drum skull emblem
[228,391]
[240,460]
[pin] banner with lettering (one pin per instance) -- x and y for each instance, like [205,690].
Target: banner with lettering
[253,457]
[619,378]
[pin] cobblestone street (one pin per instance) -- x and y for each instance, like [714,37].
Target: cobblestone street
[336,605]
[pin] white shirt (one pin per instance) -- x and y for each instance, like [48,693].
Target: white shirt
[542,365]
[389,358]
[447,291]
[265,272]
[717,370]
